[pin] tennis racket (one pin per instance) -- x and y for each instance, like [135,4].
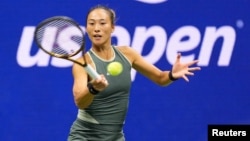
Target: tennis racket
[62,37]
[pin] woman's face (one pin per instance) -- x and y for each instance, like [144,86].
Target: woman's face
[99,27]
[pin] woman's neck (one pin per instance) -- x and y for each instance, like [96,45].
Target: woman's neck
[105,53]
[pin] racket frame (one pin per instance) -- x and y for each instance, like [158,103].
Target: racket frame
[87,67]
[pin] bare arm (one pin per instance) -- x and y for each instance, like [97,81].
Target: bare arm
[82,97]
[179,70]
[144,67]
[81,94]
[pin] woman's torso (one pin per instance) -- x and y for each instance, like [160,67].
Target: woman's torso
[110,105]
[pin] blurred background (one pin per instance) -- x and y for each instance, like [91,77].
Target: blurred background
[36,102]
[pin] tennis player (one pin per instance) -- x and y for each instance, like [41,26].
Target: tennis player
[103,106]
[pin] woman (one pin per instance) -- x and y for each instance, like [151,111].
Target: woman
[103,102]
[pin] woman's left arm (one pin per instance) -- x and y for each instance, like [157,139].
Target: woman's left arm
[179,70]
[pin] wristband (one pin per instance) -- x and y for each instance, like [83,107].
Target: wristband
[92,90]
[171,77]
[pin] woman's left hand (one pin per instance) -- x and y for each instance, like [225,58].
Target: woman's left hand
[181,70]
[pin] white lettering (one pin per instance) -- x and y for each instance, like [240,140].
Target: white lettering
[40,59]
[24,58]
[217,132]
[184,39]
[141,35]
[122,36]
[211,36]
[152,1]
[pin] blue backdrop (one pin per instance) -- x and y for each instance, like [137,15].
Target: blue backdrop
[36,102]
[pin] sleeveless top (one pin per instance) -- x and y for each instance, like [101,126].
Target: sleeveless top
[109,107]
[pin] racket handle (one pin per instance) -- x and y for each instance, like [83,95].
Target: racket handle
[92,72]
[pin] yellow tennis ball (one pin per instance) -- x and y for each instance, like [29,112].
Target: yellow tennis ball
[114,68]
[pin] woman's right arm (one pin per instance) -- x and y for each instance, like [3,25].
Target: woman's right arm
[81,94]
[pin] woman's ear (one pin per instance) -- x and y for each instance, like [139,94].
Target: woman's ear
[113,28]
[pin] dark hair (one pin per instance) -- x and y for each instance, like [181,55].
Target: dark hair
[110,11]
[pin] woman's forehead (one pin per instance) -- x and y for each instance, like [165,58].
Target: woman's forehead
[98,14]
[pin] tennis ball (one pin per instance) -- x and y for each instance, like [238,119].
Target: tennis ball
[114,68]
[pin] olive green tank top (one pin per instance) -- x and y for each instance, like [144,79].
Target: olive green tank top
[110,105]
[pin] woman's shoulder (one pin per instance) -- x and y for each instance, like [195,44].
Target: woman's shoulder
[125,49]
[128,51]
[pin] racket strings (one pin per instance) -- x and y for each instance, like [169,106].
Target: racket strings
[60,37]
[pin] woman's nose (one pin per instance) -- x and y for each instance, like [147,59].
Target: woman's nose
[96,29]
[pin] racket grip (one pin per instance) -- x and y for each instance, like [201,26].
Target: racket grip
[92,72]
